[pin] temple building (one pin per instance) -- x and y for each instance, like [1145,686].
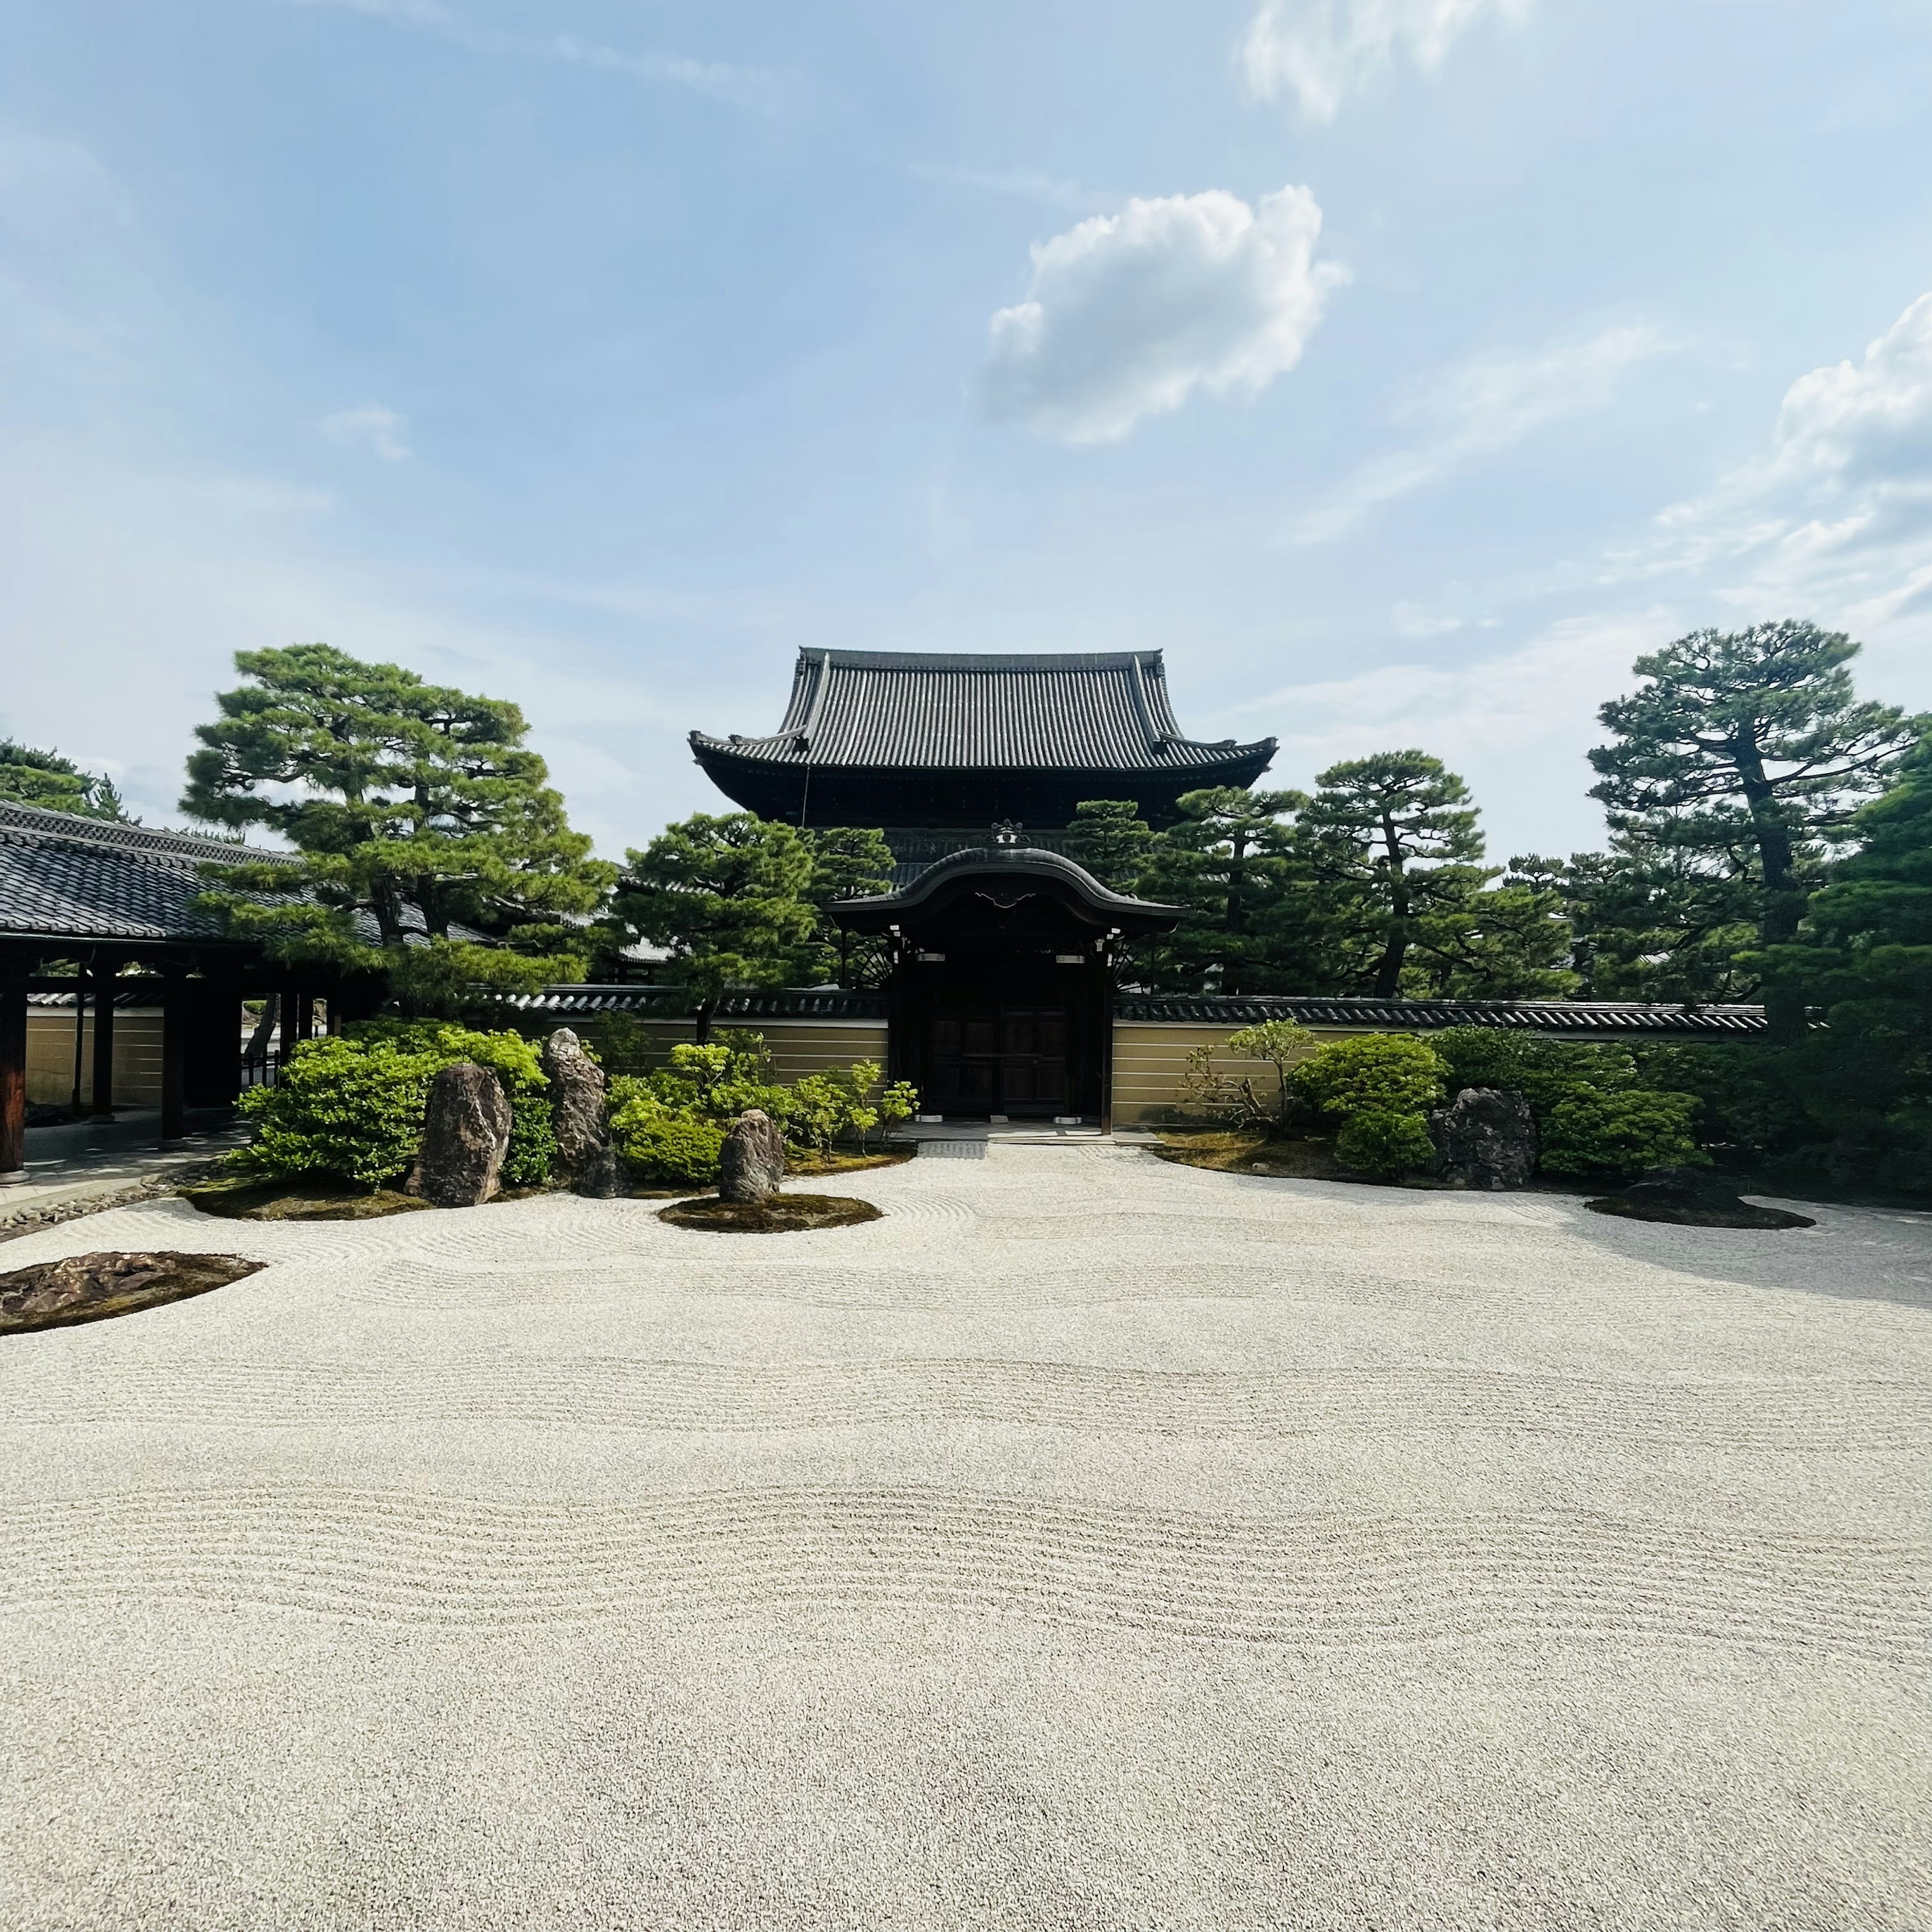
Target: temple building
[1002,1001]
[1003,950]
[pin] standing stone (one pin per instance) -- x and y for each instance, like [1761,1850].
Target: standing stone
[604,1176]
[576,1108]
[466,1134]
[1486,1139]
[751,1162]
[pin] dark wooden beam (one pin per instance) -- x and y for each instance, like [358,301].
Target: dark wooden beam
[13,1076]
[174,1059]
[101,974]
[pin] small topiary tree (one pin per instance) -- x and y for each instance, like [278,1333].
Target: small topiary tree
[1622,1133]
[1376,1072]
[1383,1144]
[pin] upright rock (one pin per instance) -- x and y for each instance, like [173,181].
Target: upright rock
[752,1162]
[576,1108]
[1486,1138]
[603,1176]
[466,1134]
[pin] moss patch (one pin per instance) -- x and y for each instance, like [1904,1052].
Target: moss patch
[783,1214]
[1238,1150]
[90,1287]
[309,1200]
[815,1165]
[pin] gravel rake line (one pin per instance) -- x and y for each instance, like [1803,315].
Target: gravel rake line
[605,1393]
[446,1561]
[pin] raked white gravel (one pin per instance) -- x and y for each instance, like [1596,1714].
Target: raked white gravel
[1090,1543]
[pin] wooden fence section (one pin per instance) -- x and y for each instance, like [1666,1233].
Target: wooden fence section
[1150,1063]
[797,1047]
[137,1056]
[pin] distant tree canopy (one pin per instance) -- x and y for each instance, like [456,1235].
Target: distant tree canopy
[1735,770]
[1373,884]
[727,899]
[55,783]
[419,812]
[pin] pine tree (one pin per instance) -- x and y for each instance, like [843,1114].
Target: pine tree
[55,783]
[1110,839]
[1863,955]
[1648,922]
[418,810]
[1391,844]
[1227,860]
[847,862]
[728,898]
[1747,751]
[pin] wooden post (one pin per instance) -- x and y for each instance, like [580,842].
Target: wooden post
[102,974]
[1107,1040]
[13,1078]
[79,1032]
[174,1057]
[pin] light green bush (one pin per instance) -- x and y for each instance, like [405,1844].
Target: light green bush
[1622,1133]
[1376,1073]
[673,1148]
[351,1107]
[1384,1145]
[712,1085]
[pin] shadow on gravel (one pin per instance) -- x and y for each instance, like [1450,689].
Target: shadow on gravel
[1851,1254]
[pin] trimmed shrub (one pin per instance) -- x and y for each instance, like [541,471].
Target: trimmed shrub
[351,1107]
[1376,1072]
[342,1109]
[1621,1134]
[672,1148]
[1384,1145]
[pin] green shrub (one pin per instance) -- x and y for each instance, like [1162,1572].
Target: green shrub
[1376,1072]
[1546,1072]
[351,1106]
[673,1148]
[1621,1134]
[1376,1141]
[710,1086]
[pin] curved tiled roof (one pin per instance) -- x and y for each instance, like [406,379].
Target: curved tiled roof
[1007,860]
[63,876]
[900,711]
[1557,1016]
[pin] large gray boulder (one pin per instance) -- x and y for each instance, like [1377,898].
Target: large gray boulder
[1485,1138]
[466,1134]
[577,1111]
[751,1162]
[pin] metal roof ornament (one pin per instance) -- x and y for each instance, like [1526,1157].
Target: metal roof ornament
[1006,832]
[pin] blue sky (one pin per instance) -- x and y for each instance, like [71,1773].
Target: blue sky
[1401,367]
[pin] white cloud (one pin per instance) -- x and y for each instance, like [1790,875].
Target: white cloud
[1129,314]
[759,89]
[1836,518]
[368,426]
[1322,50]
[1480,408]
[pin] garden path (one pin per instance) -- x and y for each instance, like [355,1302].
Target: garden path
[1090,1542]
